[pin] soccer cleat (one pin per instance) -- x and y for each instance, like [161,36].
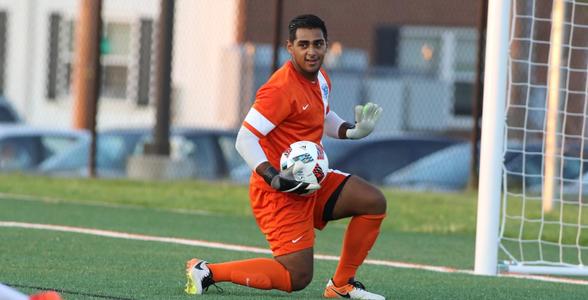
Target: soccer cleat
[198,275]
[353,290]
[47,295]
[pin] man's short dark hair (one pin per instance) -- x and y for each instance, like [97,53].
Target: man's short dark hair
[306,21]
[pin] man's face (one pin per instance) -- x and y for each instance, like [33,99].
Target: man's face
[308,51]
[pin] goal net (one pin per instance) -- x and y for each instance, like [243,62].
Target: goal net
[544,207]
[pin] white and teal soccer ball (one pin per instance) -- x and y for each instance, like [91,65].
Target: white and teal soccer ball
[312,156]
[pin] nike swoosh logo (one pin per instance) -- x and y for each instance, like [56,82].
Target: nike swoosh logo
[305,106]
[342,295]
[198,266]
[296,240]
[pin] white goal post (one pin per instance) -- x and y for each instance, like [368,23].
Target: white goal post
[533,190]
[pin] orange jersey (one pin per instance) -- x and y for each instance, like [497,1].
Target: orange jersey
[288,108]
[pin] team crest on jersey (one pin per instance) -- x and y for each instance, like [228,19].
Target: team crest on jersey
[325,89]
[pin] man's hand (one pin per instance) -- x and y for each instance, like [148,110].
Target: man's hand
[366,118]
[285,182]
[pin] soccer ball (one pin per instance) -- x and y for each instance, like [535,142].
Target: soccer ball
[312,156]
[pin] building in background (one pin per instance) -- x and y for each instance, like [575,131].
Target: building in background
[415,58]
[39,55]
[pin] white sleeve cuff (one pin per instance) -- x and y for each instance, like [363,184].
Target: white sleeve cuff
[332,124]
[247,145]
[259,121]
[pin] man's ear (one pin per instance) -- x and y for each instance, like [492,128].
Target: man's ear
[289,46]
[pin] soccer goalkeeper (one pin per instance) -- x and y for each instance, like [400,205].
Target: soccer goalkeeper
[293,106]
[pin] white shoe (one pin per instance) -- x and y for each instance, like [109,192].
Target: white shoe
[198,276]
[354,290]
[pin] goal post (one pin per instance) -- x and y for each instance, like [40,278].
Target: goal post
[533,191]
[492,137]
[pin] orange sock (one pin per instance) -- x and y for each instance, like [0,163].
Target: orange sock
[359,238]
[260,273]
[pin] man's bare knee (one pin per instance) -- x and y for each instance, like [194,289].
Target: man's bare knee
[378,203]
[373,202]
[300,280]
[300,266]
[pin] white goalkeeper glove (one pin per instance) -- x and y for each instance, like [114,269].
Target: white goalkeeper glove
[366,117]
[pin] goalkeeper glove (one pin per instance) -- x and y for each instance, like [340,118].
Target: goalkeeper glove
[366,118]
[285,182]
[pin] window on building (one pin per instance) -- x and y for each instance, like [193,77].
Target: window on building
[144,72]
[446,54]
[466,52]
[116,59]
[53,51]
[466,45]
[463,94]
[125,48]
[420,51]
[387,46]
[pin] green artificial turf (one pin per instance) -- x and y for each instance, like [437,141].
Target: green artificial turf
[423,228]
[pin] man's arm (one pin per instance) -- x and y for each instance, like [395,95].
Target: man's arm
[344,128]
[248,146]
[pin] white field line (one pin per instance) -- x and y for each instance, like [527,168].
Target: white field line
[240,248]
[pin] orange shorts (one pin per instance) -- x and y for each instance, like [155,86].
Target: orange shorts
[288,220]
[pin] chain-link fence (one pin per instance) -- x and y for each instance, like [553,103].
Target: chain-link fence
[417,59]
